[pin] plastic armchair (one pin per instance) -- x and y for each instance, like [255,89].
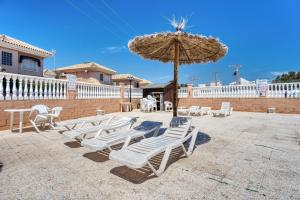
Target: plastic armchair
[41,118]
[55,114]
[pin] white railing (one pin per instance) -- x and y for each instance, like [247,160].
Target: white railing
[275,90]
[183,92]
[135,92]
[23,87]
[230,91]
[93,91]
[284,90]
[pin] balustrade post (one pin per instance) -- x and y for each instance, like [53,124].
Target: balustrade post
[25,89]
[14,88]
[31,88]
[7,88]
[20,97]
[40,91]
[36,84]
[122,90]
[1,87]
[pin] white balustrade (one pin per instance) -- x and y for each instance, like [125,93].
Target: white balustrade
[135,92]
[284,90]
[182,92]
[93,91]
[228,91]
[23,87]
[275,90]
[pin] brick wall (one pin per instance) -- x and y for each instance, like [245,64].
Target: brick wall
[282,105]
[72,108]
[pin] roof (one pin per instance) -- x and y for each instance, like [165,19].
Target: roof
[144,81]
[90,66]
[49,72]
[89,80]
[156,85]
[12,43]
[125,76]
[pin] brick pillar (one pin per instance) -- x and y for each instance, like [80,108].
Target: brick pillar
[190,90]
[71,94]
[122,90]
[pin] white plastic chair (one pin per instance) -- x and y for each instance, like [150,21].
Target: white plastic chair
[153,102]
[55,114]
[146,105]
[168,106]
[41,118]
[195,110]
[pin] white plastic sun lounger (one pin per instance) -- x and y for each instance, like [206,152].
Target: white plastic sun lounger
[225,110]
[94,131]
[106,140]
[80,123]
[139,154]
[195,110]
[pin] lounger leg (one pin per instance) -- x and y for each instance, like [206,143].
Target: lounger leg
[156,132]
[192,144]
[34,125]
[184,151]
[163,163]
[126,143]
[80,126]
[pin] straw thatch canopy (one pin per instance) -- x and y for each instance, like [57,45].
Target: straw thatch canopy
[178,47]
[192,48]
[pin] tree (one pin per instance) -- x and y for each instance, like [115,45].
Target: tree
[289,77]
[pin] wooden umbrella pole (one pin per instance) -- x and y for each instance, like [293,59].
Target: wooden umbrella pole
[175,84]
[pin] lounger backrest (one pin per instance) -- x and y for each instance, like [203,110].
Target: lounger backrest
[179,127]
[41,109]
[147,125]
[225,106]
[56,111]
[194,108]
[122,122]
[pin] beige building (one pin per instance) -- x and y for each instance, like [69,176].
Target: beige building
[124,79]
[21,58]
[89,72]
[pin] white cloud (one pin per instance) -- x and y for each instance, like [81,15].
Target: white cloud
[278,73]
[114,49]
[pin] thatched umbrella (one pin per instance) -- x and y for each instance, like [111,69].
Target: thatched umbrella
[178,47]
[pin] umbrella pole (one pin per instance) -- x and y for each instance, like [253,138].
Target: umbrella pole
[175,84]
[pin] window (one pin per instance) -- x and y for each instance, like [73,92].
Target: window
[6,58]
[29,65]
[101,77]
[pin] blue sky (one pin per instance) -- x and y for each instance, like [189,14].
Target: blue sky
[262,35]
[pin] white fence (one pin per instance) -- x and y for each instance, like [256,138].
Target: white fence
[93,91]
[182,92]
[284,90]
[274,90]
[22,87]
[135,92]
